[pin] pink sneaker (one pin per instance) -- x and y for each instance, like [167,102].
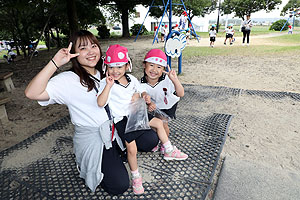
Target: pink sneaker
[162,149]
[155,149]
[175,155]
[137,185]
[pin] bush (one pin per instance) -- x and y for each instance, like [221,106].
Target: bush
[277,26]
[135,29]
[103,31]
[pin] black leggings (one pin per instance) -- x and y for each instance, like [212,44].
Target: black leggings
[145,140]
[116,179]
[246,33]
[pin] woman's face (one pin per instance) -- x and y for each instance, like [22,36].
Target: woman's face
[89,53]
[153,71]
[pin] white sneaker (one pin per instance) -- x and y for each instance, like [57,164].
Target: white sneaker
[243,44]
[247,44]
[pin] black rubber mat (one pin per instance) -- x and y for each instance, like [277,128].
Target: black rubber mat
[54,176]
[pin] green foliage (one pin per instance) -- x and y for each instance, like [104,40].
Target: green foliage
[135,29]
[103,31]
[277,26]
[290,6]
[245,7]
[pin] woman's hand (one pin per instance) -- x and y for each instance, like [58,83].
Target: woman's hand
[63,56]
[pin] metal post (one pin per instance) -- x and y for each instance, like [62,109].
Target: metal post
[170,29]
[218,16]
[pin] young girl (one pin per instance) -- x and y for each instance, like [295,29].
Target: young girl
[163,87]
[229,34]
[212,35]
[118,89]
[96,152]
[188,34]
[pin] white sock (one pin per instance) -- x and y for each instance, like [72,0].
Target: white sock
[168,146]
[135,173]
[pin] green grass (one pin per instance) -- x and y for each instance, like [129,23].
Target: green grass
[238,51]
[291,39]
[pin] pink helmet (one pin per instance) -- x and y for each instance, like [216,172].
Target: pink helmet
[117,56]
[156,56]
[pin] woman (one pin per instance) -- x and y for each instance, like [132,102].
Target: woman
[246,29]
[95,145]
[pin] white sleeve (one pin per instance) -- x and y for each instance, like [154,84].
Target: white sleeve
[57,90]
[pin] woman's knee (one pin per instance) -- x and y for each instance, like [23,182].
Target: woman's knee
[119,187]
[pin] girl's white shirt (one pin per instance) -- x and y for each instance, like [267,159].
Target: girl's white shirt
[120,96]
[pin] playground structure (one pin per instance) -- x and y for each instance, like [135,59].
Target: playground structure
[293,14]
[171,33]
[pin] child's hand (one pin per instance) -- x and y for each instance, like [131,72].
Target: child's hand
[135,97]
[63,56]
[151,106]
[147,98]
[171,73]
[109,80]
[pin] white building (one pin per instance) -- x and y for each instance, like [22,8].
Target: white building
[200,24]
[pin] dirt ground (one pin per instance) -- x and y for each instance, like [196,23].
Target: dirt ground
[262,130]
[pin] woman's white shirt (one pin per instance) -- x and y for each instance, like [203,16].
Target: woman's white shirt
[65,88]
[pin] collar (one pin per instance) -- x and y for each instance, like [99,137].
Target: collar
[127,78]
[161,78]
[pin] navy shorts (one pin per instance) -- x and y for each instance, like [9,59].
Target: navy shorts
[171,112]
[229,35]
[212,39]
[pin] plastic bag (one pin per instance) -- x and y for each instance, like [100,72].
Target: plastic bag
[138,116]
[161,115]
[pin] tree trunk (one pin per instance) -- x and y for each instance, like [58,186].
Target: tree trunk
[125,22]
[72,16]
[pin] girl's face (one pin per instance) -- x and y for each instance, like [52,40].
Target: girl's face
[117,72]
[89,53]
[153,71]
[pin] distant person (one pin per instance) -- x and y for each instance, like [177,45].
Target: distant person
[212,35]
[188,35]
[182,21]
[10,56]
[290,29]
[166,32]
[246,29]
[156,33]
[162,33]
[229,34]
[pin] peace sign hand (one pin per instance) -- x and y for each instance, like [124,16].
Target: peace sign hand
[63,56]
[171,73]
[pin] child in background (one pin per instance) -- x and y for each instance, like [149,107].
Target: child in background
[164,88]
[290,29]
[229,34]
[212,35]
[156,33]
[166,32]
[188,34]
[118,90]
[162,33]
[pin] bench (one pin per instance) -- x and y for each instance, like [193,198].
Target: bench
[3,114]
[6,82]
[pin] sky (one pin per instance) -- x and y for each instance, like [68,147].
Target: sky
[260,14]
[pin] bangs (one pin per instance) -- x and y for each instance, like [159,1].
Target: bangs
[83,41]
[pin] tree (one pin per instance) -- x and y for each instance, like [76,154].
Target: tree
[290,6]
[245,7]
[196,7]
[124,8]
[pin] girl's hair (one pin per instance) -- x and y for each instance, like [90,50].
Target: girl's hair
[79,38]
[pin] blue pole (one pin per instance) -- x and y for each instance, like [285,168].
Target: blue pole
[165,11]
[285,23]
[179,63]
[143,22]
[170,30]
